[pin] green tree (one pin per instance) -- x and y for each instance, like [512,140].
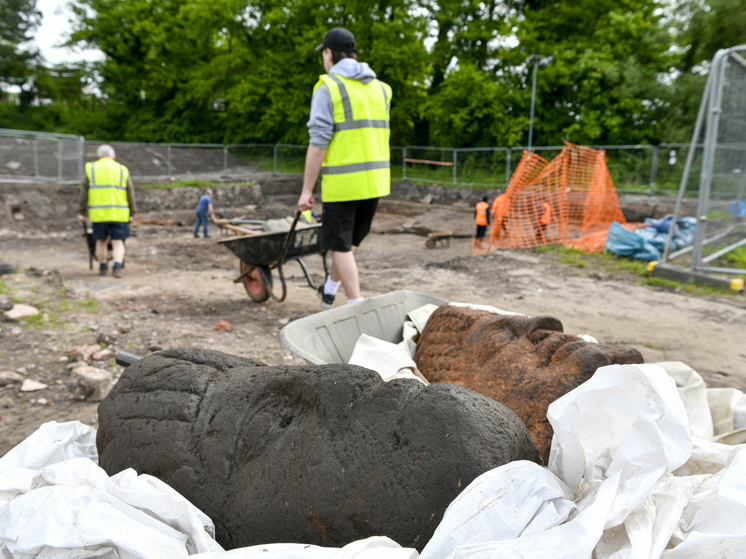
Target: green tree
[224,70]
[603,86]
[701,29]
[18,18]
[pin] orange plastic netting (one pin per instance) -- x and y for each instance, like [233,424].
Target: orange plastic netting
[570,201]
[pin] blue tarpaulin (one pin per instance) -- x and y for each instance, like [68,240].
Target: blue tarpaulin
[648,243]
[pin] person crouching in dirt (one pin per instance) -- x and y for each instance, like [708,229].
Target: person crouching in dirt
[482,220]
[543,219]
[109,196]
[203,207]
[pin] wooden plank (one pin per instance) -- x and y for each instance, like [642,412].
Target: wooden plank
[242,230]
[428,161]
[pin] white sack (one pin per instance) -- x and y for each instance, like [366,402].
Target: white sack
[500,505]
[371,548]
[693,392]
[713,524]
[388,360]
[644,433]
[728,408]
[51,443]
[618,438]
[57,505]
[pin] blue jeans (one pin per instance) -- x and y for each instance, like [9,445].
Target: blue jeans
[201,220]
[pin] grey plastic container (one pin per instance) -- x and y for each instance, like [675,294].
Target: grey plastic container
[330,336]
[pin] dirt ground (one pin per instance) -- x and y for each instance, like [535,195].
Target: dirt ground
[177,288]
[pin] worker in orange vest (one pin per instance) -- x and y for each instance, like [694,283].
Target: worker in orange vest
[481,219]
[500,214]
[544,218]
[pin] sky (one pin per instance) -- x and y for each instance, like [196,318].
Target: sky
[53,30]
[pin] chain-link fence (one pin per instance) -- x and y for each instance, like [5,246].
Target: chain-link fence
[716,170]
[37,157]
[61,158]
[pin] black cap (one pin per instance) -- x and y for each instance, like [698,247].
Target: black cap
[338,39]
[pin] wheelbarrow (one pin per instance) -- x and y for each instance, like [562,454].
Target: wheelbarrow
[441,237]
[259,254]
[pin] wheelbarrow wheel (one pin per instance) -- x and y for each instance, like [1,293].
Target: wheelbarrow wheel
[254,284]
[430,243]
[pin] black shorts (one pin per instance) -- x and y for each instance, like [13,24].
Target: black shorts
[346,224]
[481,230]
[119,231]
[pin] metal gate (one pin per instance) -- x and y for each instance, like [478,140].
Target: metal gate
[718,153]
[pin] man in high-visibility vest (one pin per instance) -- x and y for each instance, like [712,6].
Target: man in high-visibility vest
[349,146]
[109,197]
[481,220]
[543,219]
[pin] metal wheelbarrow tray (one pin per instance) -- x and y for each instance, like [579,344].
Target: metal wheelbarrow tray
[259,254]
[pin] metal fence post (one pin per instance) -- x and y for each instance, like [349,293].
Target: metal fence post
[59,160]
[225,160]
[36,158]
[455,160]
[168,157]
[404,163]
[507,167]
[654,171]
[81,158]
[274,159]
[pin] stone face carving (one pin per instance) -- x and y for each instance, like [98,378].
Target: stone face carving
[318,454]
[524,363]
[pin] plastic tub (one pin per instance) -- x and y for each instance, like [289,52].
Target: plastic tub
[330,336]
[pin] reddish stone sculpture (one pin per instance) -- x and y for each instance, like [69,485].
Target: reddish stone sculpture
[524,363]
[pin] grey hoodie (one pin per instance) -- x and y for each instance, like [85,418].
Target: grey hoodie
[321,123]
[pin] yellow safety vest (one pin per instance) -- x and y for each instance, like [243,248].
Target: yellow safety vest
[357,165]
[107,191]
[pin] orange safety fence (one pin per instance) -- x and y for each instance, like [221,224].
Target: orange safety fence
[570,201]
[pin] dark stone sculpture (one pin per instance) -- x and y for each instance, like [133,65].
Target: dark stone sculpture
[318,454]
[524,363]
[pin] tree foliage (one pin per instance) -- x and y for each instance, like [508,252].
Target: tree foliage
[18,19]
[242,71]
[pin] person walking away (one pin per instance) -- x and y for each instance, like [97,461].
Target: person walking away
[349,145]
[544,218]
[482,220]
[499,213]
[203,207]
[108,195]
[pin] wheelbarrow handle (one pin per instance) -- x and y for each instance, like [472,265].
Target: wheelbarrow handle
[283,254]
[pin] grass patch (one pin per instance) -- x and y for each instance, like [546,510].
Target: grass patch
[660,282]
[194,183]
[48,317]
[653,346]
[617,263]
[5,289]
[612,265]
[735,258]
[574,258]
[89,304]
[176,184]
